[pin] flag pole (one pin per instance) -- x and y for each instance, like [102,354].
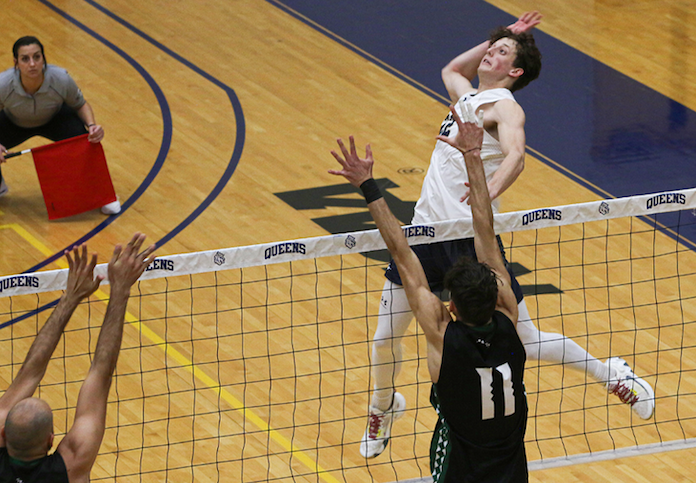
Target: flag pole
[12,155]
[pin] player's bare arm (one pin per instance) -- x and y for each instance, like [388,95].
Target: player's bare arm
[431,314]
[81,284]
[509,119]
[468,141]
[460,72]
[80,446]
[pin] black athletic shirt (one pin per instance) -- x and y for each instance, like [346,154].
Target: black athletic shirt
[50,469]
[481,401]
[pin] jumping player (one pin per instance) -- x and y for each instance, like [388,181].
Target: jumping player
[476,361]
[504,64]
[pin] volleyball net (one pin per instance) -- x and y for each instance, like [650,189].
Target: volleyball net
[253,363]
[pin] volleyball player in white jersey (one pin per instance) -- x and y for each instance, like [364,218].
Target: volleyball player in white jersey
[505,63]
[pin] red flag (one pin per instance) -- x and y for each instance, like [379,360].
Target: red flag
[74,177]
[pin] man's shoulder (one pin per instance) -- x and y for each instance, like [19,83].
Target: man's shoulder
[497,95]
[507,110]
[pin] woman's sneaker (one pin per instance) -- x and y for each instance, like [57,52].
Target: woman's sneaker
[112,208]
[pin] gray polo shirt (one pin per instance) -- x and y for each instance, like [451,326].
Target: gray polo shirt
[33,111]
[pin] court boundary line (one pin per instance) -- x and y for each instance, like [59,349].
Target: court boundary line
[438,97]
[188,365]
[164,146]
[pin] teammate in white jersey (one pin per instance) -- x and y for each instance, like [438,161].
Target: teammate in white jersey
[505,63]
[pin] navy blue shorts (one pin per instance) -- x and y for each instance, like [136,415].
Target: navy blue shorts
[438,258]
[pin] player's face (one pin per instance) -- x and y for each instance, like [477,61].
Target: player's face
[499,57]
[30,61]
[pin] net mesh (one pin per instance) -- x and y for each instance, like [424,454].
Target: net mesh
[252,363]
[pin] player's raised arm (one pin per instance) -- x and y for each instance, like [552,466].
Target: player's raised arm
[468,141]
[80,446]
[510,119]
[81,284]
[358,171]
[461,71]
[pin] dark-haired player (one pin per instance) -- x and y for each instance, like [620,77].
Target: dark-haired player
[504,64]
[476,361]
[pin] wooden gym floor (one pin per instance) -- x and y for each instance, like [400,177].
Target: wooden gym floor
[212,107]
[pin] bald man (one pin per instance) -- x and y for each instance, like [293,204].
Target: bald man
[26,423]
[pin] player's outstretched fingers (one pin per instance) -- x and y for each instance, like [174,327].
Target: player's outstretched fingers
[136,242]
[145,257]
[346,155]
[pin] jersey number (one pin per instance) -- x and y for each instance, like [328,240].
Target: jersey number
[446,125]
[487,404]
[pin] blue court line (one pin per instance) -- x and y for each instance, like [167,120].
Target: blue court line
[161,156]
[224,179]
[605,131]
[236,106]
[363,53]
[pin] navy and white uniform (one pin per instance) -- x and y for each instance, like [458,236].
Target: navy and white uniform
[443,185]
[442,189]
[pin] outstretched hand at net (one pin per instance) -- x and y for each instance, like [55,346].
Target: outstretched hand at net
[128,264]
[355,169]
[81,280]
[470,134]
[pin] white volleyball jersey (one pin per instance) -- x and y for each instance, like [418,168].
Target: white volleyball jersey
[443,185]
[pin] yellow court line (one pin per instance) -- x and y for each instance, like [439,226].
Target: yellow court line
[227,396]
[191,367]
[33,241]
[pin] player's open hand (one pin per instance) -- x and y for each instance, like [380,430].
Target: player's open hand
[81,280]
[128,263]
[526,22]
[470,135]
[356,170]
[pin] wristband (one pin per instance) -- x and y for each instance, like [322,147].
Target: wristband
[472,149]
[370,190]
[90,125]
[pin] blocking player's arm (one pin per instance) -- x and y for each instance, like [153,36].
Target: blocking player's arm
[460,72]
[81,284]
[468,141]
[80,446]
[428,309]
[509,118]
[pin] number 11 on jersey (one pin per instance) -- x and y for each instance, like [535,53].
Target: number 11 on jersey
[487,403]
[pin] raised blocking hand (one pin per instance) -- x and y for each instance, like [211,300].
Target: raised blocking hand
[355,169]
[81,281]
[128,263]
